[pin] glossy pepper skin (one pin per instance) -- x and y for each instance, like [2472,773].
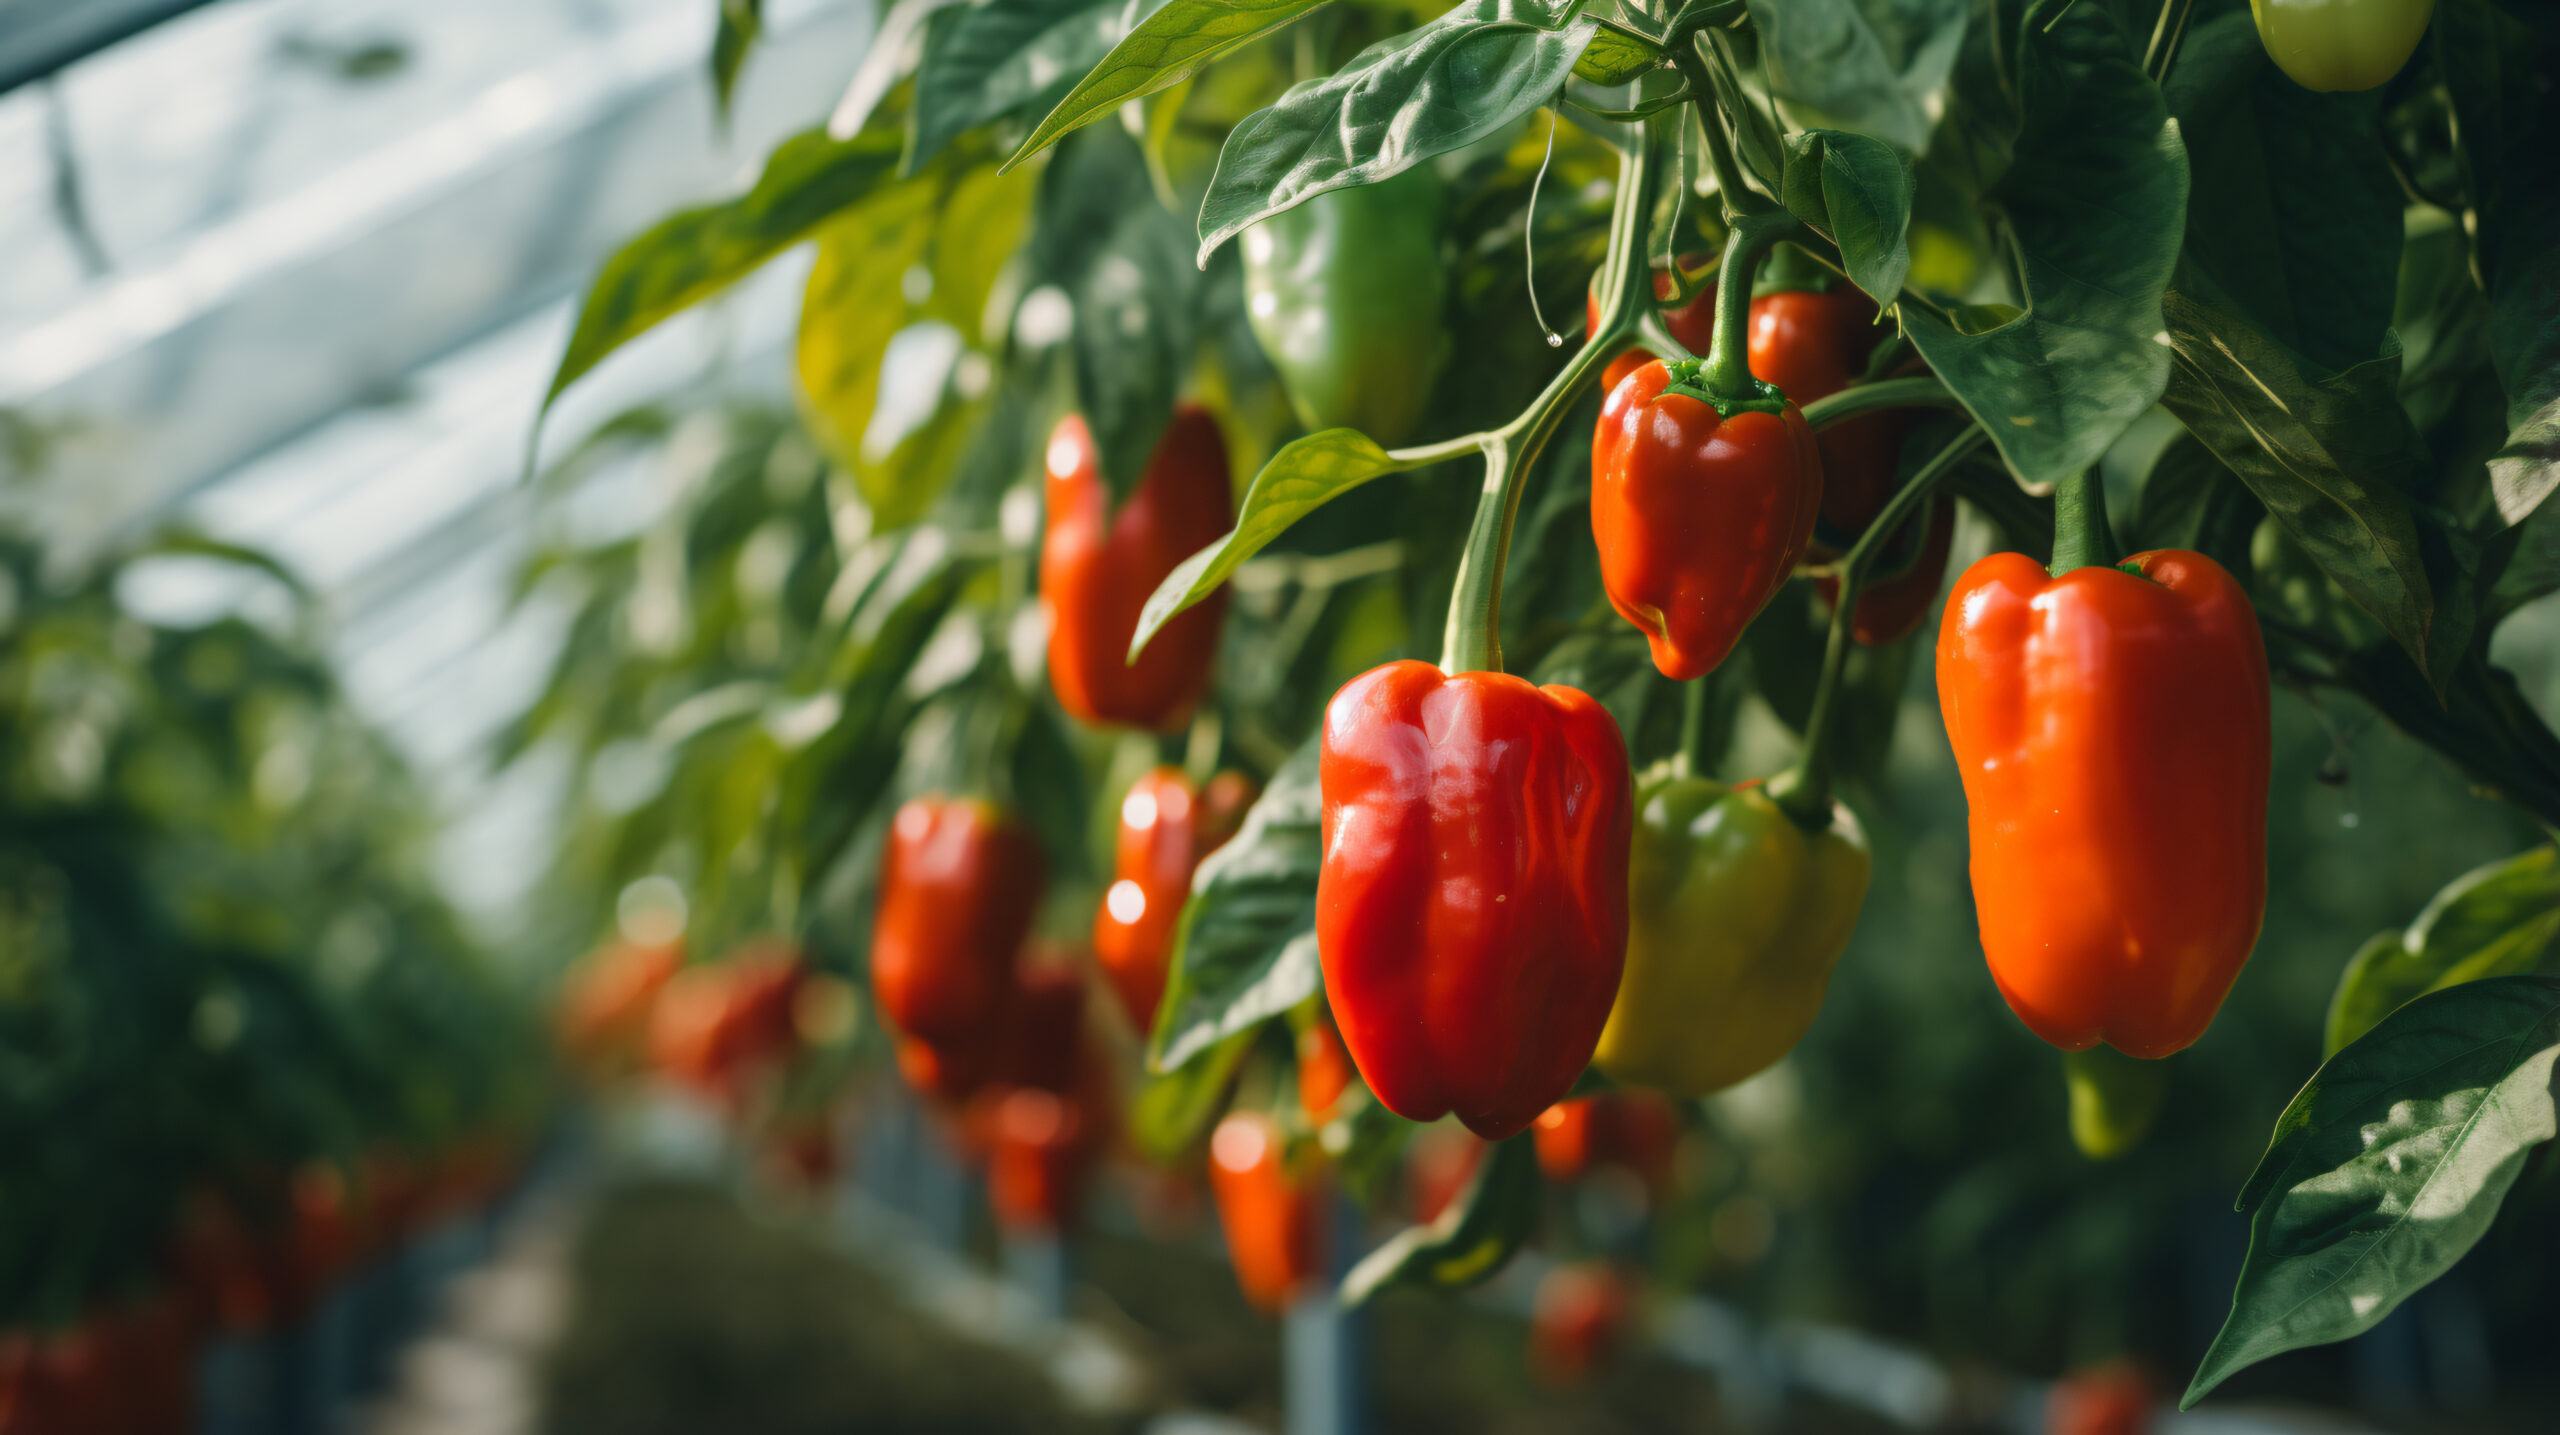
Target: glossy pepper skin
[1166,826]
[1699,518]
[1471,910]
[1739,915]
[1345,294]
[1098,565]
[2332,45]
[1272,1217]
[2111,729]
[959,883]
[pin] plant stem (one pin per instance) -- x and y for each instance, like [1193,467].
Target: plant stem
[2080,536]
[1472,640]
[1693,726]
[1803,791]
[1728,369]
[1847,404]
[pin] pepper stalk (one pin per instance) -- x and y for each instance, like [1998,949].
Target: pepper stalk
[1804,790]
[1472,641]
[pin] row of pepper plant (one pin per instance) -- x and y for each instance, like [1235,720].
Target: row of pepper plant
[2270,290]
[246,1051]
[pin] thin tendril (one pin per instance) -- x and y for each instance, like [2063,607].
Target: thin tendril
[1529,237]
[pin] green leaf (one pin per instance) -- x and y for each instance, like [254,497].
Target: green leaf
[686,259]
[1123,260]
[1168,47]
[1476,1236]
[2292,203]
[1304,475]
[1246,949]
[2330,455]
[2095,197]
[2495,72]
[741,21]
[1399,102]
[1879,67]
[957,229]
[2389,1166]
[1858,191]
[1616,56]
[986,59]
[1174,1109]
[2495,921]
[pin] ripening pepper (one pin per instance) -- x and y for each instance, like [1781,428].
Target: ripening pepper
[1699,517]
[1738,916]
[1637,1131]
[1036,1160]
[1577,1320]
[1471,911]
[2341,44]
[2111,729]
[718,1022]
[1099,564]
[603,1014]
[1273,1217]
[958,886]
[1166,826]
[1324,1068]
[1345,293]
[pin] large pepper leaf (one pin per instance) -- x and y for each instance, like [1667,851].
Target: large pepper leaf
[2293,204]
[1179,40]
[2331,455]
[1880,67]
[2388,1167]
[1246,949]
[955,224]
[1466,1244]
[1858,191]
[2095,196]
[2494,921]
[688,257]
[2496,71]
[1399,102]
[988,58]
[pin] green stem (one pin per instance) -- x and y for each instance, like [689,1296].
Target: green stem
[1693,726]
[1728,368]
[2080,536]
[1916,392]
[1472,640]
[1803,791]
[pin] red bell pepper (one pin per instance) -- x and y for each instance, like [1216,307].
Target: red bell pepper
[1699,515]
[959,884]
[2111,730]
[1098,566]
[1037,1160]
[1471,911]
[1324,1068]
[1273,1216]
[1166,827]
